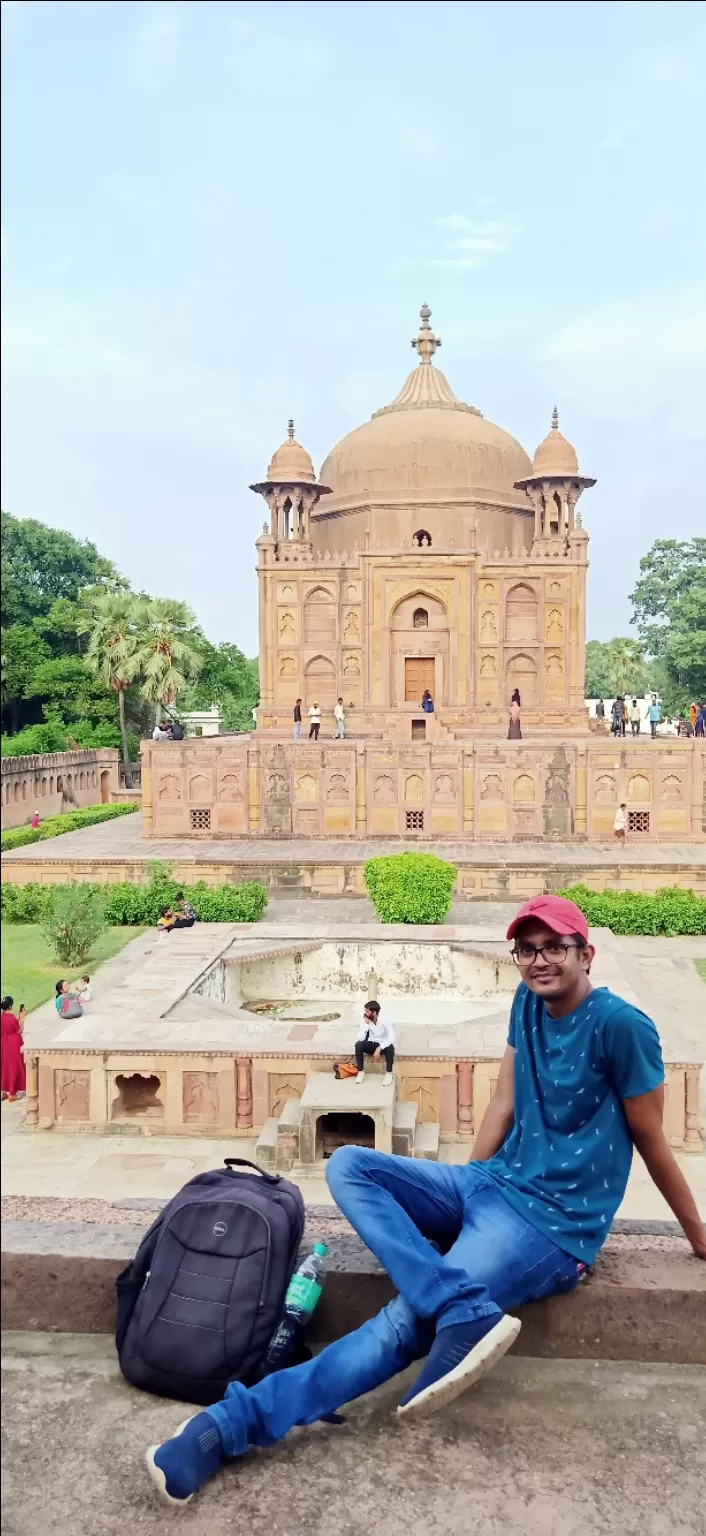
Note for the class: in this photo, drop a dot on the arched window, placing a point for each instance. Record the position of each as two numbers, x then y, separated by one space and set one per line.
422 539
420 618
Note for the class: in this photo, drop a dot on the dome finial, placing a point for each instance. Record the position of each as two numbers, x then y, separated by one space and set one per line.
290 430
555 420
426 343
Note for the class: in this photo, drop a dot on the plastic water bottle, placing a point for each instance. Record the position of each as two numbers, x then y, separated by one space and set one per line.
303 1292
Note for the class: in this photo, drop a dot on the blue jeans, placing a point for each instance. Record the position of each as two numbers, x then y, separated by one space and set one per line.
340 728
401 1207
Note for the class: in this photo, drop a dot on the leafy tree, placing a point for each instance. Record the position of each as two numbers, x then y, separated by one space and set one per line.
113 651
40 564
168 650
22 651
669 604
615 666
69 690
226 679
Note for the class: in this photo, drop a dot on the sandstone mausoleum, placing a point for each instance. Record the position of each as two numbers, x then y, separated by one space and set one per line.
430 553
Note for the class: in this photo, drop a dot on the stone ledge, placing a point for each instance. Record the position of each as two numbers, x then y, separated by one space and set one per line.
646 1299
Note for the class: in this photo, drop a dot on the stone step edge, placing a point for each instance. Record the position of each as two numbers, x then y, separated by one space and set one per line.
638 1304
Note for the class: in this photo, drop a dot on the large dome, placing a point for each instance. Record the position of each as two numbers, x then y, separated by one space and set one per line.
427 445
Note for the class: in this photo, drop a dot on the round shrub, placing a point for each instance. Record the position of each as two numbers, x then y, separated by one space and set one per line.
410 887
670 911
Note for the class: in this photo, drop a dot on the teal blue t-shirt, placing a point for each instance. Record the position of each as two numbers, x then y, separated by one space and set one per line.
565 1163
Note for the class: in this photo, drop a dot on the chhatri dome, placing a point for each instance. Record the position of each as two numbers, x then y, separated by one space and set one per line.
291 464
555 454
426 445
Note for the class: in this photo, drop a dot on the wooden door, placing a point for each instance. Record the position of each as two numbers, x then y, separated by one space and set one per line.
419 673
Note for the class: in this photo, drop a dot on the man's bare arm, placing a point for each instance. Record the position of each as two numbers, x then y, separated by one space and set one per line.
500 1112
644 1117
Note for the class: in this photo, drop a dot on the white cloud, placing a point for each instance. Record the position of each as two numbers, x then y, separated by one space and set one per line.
155 44
470 242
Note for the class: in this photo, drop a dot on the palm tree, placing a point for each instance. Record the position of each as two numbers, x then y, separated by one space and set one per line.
113 651
168 655
627 665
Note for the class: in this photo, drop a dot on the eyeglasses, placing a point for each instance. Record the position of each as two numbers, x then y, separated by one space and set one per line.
526 954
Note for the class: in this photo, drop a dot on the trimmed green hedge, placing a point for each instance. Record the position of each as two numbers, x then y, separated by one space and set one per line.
410 887
669 911
127 905
67 821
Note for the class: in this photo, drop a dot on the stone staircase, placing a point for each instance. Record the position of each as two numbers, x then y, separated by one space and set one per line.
292 1141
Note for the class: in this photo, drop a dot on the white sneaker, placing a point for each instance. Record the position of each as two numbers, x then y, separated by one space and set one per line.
361 1077
387 1080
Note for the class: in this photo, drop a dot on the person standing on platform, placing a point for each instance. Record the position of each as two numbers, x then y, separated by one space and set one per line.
314 722
298 720
340 717
514 730
654 714
14 1080
620 825
634 713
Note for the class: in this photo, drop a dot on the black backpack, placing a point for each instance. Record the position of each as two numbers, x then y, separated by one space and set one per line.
199 1303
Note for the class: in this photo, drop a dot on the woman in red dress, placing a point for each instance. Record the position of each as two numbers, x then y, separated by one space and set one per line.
14 1078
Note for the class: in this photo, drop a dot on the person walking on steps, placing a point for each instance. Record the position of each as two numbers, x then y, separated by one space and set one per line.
376 1039
298 720
654 713
634 714
427 702
616 716
314 722
580 1085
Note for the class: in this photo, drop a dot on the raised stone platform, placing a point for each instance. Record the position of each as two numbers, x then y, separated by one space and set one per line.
488 871
645 1300
213 1031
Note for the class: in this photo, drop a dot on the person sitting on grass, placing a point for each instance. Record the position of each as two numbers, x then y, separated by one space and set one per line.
580 1085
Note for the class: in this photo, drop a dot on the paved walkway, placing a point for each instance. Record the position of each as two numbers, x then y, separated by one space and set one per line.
120 840
537 1448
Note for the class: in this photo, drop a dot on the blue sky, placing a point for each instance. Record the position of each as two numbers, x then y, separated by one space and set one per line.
218 215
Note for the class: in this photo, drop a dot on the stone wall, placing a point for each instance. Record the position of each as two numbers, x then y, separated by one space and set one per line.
51 782
489 790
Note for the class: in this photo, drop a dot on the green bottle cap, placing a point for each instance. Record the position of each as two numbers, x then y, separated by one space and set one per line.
321 1249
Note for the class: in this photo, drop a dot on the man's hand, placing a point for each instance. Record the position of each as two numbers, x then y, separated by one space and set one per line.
698 1244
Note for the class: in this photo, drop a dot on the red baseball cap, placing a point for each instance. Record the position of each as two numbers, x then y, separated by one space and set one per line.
562 916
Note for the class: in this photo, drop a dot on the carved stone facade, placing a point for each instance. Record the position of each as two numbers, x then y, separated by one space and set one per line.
490 789
431 553
441 558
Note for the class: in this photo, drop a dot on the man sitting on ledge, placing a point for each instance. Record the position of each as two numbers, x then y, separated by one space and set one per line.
581 1083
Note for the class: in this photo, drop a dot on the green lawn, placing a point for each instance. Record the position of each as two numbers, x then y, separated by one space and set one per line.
29 970
701 968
